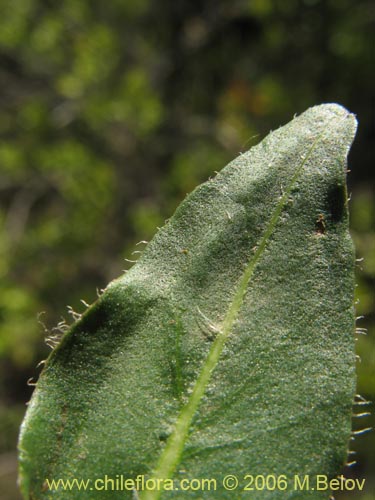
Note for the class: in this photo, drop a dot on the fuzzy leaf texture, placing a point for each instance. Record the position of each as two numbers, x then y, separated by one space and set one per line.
228 348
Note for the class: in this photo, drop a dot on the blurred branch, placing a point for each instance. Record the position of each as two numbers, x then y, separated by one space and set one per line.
20 207
8 463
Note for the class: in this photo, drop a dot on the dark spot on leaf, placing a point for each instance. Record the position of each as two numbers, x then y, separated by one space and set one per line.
163 436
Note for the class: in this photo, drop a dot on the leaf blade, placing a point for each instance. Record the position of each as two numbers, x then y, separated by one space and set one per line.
187 261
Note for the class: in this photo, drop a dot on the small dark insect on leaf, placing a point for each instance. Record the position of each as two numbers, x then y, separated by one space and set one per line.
320 224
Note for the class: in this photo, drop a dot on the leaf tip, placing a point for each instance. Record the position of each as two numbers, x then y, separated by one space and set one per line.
337 114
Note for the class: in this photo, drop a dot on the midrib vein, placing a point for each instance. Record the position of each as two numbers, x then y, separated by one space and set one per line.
170 456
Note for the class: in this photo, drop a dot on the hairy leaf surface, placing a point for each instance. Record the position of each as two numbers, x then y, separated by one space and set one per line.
228 348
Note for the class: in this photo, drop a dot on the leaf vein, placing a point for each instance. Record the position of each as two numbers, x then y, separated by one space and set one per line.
171 454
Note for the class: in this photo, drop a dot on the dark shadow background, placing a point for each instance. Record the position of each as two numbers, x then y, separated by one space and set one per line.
110 112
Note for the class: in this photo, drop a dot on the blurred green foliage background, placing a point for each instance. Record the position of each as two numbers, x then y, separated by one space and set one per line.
110 112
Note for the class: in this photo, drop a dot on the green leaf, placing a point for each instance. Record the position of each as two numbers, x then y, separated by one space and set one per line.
228 348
